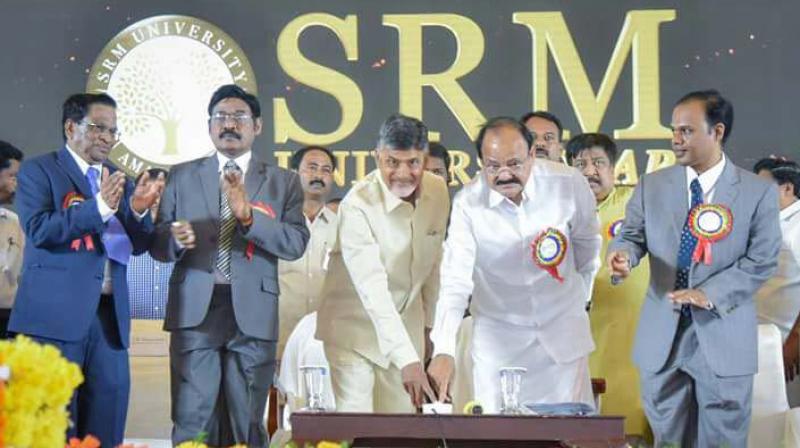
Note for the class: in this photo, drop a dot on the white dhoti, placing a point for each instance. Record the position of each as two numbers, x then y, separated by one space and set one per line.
499 344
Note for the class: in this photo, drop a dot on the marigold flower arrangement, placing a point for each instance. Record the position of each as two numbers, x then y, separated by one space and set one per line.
34 394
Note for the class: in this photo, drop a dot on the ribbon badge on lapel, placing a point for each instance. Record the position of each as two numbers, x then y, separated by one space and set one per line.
613 229
549 249
709 223
264 209
70 199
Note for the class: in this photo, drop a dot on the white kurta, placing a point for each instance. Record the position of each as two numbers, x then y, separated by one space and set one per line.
523 315
778 300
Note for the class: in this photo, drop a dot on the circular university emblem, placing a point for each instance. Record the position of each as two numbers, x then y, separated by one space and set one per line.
162 71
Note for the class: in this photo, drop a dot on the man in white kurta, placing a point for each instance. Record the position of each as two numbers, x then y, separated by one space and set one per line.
778 300
526 315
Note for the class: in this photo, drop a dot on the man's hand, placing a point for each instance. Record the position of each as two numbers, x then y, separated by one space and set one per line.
112 187
441 372
619 264
791 356
147 192
183 233
416 383
695 297
237 196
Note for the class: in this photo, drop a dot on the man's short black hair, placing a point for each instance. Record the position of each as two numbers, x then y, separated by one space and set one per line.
783 171
400 132
297 157
234 91
76 107
154 172
718 109
436 149
502 122
589 140
545 116
9 152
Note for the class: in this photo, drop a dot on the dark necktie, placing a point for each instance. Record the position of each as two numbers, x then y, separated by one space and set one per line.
688 242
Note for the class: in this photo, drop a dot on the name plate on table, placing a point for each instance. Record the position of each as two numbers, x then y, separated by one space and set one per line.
416 430
148 338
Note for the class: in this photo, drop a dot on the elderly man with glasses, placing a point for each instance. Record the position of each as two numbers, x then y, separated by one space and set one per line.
524 242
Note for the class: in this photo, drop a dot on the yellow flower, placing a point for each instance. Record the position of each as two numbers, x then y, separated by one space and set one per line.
37 393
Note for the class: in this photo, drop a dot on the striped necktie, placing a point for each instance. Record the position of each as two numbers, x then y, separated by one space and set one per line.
227 226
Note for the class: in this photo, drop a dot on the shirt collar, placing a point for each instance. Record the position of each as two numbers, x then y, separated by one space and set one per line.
323 214
243 161
82 164
790 211
709 178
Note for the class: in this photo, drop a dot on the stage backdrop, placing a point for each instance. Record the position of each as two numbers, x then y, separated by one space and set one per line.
328 72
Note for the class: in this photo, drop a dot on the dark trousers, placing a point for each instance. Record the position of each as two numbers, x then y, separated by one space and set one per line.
220 379
5 314
100 405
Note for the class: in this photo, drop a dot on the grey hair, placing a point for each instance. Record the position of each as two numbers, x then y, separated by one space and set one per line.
400 132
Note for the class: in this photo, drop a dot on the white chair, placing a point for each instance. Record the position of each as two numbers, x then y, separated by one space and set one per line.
770 405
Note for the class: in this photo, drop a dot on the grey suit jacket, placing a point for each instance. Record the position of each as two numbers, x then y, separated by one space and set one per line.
192 193
742 261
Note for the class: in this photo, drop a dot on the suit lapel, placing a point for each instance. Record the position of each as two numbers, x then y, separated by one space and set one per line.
72 169
209 180
255 177
726 191
678 201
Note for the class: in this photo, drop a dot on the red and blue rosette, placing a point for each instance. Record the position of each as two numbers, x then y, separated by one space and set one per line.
613 228
548 251
709 223
70 199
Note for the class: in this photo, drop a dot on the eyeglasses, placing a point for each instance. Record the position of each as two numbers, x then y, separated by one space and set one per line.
313 168
238 119
99 129
515 166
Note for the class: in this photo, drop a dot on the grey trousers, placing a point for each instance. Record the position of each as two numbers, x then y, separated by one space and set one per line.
688 405
220 379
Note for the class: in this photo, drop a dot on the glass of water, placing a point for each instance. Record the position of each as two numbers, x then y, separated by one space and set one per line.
510 384
314 385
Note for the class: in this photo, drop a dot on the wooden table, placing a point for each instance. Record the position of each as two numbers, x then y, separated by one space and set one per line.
414 430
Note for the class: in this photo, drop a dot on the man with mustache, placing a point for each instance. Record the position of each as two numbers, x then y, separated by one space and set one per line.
524 242
383 277
301 280
713 235
12 240
225 220
547 133
613 308
83 220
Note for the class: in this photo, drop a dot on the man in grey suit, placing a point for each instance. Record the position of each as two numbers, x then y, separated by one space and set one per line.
696 344
226 220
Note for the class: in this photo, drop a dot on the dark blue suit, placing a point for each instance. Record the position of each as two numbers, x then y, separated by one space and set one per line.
59 296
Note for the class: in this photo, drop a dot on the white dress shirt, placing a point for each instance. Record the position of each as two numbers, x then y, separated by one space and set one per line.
778 300
708 180
488 255
105 211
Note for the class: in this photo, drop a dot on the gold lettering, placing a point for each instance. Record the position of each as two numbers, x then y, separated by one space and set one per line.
659 158
461 160
296 65
625 169
119 51
470 45
361 164
639 36
340 175
282 157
